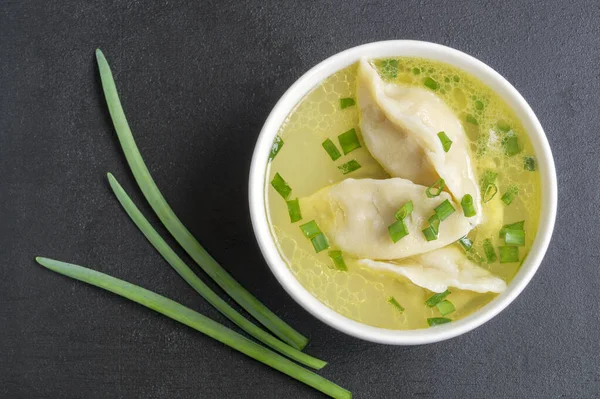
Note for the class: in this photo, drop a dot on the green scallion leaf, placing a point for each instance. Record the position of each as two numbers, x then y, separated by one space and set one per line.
310 229
508 254
445 307
466 243
349 141
472 120
445 140
432 84
513 226
490 253
395 304
467 205
397 230
503 126
435 189
404 211
430 234
281 186
197 321
331 149
444 210
346 102
436 321
511 145
320 242
275 148
349 167
173 224
490 192
529 163
389 69
434 223
294 210
489 177
338 260
437 298
510 194
514 237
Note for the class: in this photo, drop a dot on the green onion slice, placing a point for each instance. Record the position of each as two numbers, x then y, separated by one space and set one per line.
404 211
349 141
197 321
508 254
488 248
490 192
281 186
310 229
467 205
529 163
389 69
472 120
432 84
466 243
445 307
445 140
320 242
395 304
349 167
503 126
444 210
346 102
276 147
436 321
434 223
331 149
197 284
511 145
437 298
398 230
430 234
338 260
514 237
513 226
294 210
489 177
435 189
174 225
510 194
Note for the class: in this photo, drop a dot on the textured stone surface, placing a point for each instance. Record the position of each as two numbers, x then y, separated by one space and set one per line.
198 79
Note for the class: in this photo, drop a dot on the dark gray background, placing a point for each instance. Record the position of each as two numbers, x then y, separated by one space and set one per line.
197 81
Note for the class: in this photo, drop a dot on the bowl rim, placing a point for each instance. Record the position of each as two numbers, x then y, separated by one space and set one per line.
258 187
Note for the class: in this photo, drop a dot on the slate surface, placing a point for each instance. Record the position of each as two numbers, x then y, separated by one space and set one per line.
197 80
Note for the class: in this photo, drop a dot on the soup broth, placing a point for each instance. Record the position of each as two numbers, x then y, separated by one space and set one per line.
501 153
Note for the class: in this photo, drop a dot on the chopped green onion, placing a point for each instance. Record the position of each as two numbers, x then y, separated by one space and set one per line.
489 177
397 230
490 192
508 254
294 210
511 145
310 229
331 149
438 186
444 210
510 195
195 320
472 120
475 257
513 226
490 253
436 321
395 304
445 140
503 126
529 163
174 225
445 307
389 69
514 237
432 84
338 260
346 102
197 284
466 243
320 242
349 141
276 147
281 186
430 234
349 167
467 205
404 211
434 223
437 298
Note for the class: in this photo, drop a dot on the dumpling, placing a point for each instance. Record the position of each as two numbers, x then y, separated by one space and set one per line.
440 269
400 124
355 214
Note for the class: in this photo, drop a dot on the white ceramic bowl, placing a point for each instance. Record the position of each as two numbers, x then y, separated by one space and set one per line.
316 75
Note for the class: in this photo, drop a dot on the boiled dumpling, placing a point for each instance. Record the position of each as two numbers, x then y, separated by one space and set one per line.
355 215
440 269
400 126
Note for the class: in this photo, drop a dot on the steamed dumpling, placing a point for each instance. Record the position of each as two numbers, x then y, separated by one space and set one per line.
400 124
440 269
355 215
